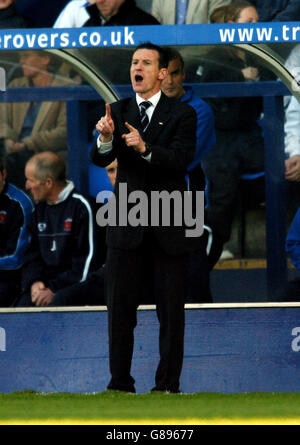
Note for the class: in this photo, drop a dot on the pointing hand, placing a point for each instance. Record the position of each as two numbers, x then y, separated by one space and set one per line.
106 126
133 139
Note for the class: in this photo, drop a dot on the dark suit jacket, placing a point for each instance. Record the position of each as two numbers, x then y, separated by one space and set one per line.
128 14
172 135
277 10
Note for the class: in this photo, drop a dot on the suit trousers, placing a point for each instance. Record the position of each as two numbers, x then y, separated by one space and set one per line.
130 273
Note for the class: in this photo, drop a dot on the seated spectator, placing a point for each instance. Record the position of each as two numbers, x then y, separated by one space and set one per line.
91 291
27 128
277 10
64 244
15 211
239 144
9 16
292 141
79 13
218 16
173 86
293 251
240 11
292 136
111 171
201 261
292 121
185 12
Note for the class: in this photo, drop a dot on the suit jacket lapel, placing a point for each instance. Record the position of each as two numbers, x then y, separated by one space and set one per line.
160 117
131 114
191 11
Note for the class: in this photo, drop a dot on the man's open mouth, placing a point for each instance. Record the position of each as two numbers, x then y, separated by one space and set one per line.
138 78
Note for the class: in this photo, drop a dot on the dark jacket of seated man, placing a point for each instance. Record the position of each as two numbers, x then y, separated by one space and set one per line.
15 211
65 243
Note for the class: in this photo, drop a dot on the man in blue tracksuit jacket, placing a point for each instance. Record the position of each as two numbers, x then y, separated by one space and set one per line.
205 138
15 211
203 260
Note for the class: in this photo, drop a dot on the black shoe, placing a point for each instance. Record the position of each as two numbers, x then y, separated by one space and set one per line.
121 388
122 384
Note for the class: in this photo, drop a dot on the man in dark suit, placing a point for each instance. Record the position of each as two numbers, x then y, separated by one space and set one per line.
153 150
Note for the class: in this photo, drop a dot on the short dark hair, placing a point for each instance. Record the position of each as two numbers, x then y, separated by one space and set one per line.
217 16
173 54
162 56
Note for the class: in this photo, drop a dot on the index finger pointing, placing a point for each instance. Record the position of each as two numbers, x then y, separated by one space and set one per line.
108 112
130 127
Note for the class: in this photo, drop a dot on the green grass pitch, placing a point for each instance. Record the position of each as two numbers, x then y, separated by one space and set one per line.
113 407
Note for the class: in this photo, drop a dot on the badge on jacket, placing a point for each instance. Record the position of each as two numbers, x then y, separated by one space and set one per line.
3 215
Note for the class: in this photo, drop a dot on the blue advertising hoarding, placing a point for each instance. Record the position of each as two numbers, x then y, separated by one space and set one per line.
228 348
117 36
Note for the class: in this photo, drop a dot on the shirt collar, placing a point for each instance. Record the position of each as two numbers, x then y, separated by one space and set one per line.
64 193
154 99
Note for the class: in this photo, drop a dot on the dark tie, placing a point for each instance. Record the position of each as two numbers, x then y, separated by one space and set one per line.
144 118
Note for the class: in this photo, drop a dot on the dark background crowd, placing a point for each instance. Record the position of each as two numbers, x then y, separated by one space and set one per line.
44 14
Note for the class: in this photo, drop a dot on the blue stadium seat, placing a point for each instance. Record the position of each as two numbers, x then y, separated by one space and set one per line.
98 179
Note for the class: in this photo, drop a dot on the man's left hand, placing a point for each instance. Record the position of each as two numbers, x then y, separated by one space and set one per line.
44 298
133 139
